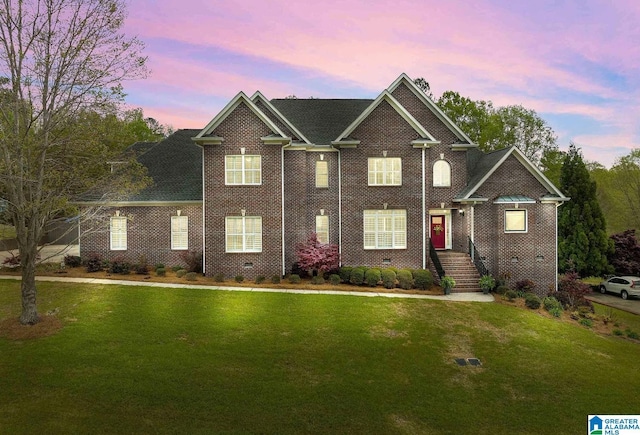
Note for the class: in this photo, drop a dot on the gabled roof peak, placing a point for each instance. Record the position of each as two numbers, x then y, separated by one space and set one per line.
240 98
406 80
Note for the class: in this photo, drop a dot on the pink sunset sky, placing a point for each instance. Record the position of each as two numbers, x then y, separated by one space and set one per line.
577 63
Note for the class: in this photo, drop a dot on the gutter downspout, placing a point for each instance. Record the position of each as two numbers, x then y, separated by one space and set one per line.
340 205
282 208
424 212
204 227
558 204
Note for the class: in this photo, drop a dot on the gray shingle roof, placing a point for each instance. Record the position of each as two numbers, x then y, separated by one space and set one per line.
478 166
321 120
175 165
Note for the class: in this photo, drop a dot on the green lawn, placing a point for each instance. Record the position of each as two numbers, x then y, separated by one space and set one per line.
7 232
141 360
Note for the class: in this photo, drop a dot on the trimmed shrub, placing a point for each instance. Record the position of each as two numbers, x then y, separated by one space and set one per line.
617 332
176 268
239 278
161 271
294 278
259 279
180 273
94 263
275 279
388 278
159 266
532 301
193 260
119 266
405 279
191 276
317 280
72 261
631 334
141 269
218 277
422 279
335 279
372 277
345 273
511 294
357 275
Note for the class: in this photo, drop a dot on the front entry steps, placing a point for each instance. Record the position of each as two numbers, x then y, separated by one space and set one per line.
459 266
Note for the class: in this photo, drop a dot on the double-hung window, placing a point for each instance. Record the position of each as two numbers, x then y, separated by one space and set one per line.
385 171
322 228
385 229
515 221
118 233
322 173
243 233
179 232
243 170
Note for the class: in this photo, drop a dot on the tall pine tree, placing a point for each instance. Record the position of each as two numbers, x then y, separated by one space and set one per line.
583 242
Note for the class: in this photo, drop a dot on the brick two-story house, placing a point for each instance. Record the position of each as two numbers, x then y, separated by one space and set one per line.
393 181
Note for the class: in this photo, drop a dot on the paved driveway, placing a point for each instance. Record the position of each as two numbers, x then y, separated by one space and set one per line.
48 254
615 301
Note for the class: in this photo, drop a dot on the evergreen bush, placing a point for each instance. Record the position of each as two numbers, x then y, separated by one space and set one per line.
357 275
423 279
405 279
372 277
388 278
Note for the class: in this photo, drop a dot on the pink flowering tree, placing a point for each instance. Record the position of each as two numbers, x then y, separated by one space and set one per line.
314 256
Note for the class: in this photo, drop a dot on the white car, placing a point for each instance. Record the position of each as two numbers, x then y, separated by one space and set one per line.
625 286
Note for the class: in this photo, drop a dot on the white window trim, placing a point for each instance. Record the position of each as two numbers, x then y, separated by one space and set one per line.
378 214
244 234
242 170
387 168
526 221
175 232
437 181
322 178
318 233
123 232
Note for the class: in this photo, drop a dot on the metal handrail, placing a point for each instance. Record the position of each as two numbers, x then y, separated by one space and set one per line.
433 254
477 259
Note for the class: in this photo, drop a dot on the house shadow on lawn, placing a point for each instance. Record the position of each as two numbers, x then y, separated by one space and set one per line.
12 329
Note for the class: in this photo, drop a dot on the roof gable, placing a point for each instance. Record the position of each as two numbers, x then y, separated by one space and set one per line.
461 135
257 96
228 110
489 163
386 96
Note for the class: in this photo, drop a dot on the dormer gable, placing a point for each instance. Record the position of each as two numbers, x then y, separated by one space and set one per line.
425 140
259 97
206 137
489 163
464 140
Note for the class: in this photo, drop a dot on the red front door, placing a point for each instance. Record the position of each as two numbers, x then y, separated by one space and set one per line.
438 232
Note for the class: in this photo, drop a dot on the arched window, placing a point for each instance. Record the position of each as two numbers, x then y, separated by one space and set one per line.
442 173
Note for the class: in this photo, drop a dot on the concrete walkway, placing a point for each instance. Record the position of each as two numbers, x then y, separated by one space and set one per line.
460 297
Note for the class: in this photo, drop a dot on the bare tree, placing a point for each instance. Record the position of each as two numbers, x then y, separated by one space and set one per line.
58 59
